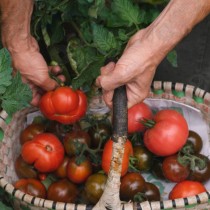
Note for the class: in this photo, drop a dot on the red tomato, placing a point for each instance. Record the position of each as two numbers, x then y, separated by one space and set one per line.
78 173
32 187
45 151
107 155
186 188
64 105
173 170
168 134
137 113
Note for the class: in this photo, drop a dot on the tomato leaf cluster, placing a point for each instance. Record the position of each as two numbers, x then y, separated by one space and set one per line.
82 35
14 94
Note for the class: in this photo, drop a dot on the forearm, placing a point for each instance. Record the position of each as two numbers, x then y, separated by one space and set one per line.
174 23
15 24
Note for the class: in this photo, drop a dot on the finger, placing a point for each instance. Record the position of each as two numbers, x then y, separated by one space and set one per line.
105 70
55 69
108 96
115 78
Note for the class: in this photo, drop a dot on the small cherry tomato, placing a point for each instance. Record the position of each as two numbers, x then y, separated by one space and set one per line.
200 175
173 170
196 140
186 188
63 191
144 158
151 192
73 142
131 184
94 187
30 131
32 187
61 171
78 172
24 170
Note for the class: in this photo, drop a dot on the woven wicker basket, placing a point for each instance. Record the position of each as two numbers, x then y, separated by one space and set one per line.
10 148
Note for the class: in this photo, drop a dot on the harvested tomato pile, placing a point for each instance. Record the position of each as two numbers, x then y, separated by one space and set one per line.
67 162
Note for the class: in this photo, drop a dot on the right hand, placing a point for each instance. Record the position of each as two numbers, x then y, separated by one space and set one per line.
135 68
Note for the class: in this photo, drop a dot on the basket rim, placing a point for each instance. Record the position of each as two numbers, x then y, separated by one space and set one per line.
167 87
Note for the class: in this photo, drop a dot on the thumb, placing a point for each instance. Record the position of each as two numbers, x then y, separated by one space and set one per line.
113 79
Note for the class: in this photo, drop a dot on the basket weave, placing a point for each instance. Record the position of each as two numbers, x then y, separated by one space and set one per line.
10 149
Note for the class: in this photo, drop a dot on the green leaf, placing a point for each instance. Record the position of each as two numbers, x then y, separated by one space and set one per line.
88 75
17 96
95 9
57 32
103 38
172 58
127 11
5 70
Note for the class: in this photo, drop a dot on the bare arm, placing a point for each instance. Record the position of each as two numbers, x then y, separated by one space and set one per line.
15 24
147 48
24 49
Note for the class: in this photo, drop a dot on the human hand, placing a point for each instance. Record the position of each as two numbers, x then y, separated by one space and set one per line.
34 70
135 69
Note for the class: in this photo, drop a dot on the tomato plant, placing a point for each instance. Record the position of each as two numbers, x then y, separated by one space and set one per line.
136 114
186 188
79 172
24 170
44 151
73 142
167 133
63 191
32 187
173 170
64 105
131 184
30 131
107 155
94 187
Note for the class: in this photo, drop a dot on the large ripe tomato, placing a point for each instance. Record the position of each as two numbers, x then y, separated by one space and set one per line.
167 133
78 173
186 188
32 187
24 170
63 191
131 184
107 155
136 114
64 105
30 131
44 151
73 142
173 170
